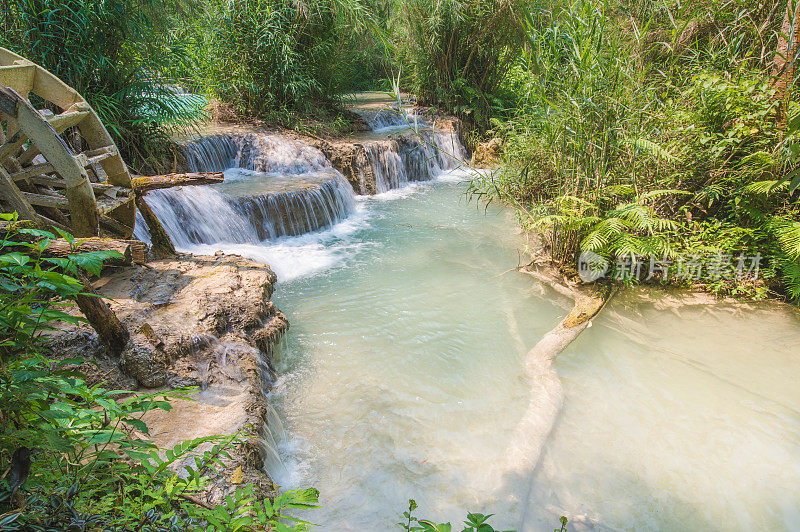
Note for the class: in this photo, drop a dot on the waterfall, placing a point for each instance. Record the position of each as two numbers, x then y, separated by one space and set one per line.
276 154
387 165
215 153
450 153
419 155
413 157
296 212
392 118
249 208
206 215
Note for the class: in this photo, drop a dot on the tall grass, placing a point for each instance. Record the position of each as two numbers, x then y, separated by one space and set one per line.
457 52
652 128
267 56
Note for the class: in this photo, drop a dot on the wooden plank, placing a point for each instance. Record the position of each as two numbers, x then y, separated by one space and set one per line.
12 146
50 181
154 182
113 226
59 202
15 198
19 77
105 150
67 120
99 158
105 204
32 171
29 154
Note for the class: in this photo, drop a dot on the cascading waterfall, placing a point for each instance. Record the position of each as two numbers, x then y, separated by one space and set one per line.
215 153
384 119
299 211
407 157
450 153
276 154
290 189
387 165
206 215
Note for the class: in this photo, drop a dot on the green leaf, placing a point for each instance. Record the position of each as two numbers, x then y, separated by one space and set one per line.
15 259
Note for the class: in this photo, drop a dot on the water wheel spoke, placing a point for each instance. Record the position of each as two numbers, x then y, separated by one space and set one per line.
33 171
44 200
13 196
66 120
100 154
12 146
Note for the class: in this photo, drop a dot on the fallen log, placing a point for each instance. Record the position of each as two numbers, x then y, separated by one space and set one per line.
154 182
103 320
132 251
159 239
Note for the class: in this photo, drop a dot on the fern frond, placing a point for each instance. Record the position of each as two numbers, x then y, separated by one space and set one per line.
761 188
787 232
662 192
651 148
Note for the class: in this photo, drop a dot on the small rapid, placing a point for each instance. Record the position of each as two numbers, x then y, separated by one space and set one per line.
274 187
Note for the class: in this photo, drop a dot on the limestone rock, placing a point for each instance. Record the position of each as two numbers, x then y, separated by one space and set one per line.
487 154
142 361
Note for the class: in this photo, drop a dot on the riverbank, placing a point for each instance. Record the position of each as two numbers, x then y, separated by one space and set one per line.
196 321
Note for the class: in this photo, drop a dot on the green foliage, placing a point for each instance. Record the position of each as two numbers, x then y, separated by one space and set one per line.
458 52
474 523
115 53
270 56
92 466
246 512
652 128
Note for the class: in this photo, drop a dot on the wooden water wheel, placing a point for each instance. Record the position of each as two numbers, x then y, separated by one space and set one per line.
58 164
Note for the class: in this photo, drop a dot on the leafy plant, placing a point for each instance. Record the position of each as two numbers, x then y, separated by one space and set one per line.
79 454
475 522
268 57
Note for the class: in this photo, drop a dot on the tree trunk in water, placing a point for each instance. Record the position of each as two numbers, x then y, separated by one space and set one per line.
159 239
112 332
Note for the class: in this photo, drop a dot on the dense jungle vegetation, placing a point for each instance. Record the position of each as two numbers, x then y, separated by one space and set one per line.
655 128
660 129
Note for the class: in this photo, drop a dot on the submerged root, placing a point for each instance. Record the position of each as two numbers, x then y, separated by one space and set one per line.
546 395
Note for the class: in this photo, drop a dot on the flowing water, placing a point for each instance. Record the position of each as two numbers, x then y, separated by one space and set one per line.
404 374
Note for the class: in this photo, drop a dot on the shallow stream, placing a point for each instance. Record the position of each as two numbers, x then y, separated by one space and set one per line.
403 378
404 374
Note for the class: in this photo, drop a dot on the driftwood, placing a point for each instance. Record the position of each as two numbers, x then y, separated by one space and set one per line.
132 251
143 184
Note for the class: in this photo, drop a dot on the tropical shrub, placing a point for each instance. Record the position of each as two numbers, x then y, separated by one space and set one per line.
271 56
655 130
458 52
